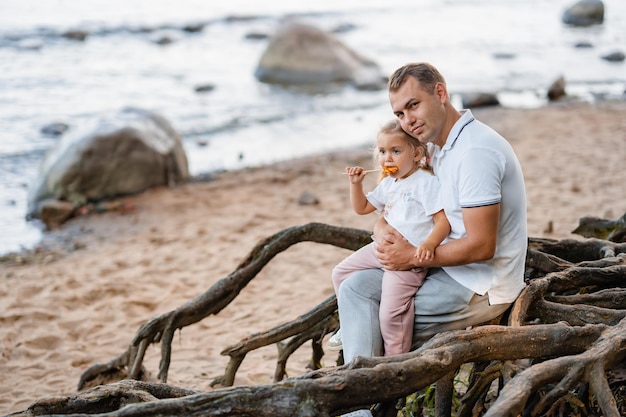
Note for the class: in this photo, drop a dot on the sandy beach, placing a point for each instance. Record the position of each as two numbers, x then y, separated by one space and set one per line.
79 301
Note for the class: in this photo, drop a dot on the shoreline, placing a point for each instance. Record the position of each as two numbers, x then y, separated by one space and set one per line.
46 239
70 306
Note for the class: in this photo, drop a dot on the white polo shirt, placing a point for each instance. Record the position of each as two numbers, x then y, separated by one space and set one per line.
478 167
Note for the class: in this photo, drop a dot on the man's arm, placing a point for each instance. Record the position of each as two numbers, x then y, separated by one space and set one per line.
481 224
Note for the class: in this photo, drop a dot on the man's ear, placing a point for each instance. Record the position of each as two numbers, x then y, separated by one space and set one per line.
441 91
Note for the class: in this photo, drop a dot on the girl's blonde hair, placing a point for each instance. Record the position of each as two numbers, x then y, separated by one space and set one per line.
393 127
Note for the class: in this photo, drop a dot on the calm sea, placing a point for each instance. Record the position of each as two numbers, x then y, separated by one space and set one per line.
513 47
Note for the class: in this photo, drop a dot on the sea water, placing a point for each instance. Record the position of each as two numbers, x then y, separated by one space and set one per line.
515 48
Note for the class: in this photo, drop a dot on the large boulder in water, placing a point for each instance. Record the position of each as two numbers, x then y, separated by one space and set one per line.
584 13
120 154
305 55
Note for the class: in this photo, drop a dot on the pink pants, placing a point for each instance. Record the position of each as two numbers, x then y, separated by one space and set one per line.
396 303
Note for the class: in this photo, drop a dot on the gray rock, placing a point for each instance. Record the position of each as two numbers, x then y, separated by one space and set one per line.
617 56
119 154
308 199
204 88
504 55
194 27
53 213
473 100
77 35
302 54
55 129
584 13
257 35
557 89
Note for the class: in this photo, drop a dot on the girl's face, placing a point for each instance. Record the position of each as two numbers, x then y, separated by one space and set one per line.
396 154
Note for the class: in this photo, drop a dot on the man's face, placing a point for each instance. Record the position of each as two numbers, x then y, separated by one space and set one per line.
421 113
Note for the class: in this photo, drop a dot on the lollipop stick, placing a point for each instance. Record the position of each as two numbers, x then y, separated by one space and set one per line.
365 170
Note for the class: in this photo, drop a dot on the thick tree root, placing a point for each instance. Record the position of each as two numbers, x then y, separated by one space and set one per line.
313 325
365 381
162 328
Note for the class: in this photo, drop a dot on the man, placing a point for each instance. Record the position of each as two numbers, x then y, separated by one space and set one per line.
478 271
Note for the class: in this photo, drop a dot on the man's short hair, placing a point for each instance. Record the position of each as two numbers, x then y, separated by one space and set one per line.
426 75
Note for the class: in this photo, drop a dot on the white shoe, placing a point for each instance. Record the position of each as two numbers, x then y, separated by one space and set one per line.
358 413
335 344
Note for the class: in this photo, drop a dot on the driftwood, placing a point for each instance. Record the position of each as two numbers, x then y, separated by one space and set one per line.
559 353
613 230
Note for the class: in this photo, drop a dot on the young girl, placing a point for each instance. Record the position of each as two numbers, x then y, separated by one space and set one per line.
407 195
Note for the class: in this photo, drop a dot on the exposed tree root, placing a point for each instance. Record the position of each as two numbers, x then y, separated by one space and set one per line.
162 328
566 330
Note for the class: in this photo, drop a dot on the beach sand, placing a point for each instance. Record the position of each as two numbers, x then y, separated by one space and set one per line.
80 301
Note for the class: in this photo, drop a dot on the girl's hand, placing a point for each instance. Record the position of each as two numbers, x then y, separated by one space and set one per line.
424 253
356 174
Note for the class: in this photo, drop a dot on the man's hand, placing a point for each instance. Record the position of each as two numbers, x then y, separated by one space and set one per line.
393 251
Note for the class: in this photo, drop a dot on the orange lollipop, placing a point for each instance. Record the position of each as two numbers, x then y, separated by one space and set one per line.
389 169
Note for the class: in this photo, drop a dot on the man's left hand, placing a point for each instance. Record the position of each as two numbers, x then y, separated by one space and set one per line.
395 253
